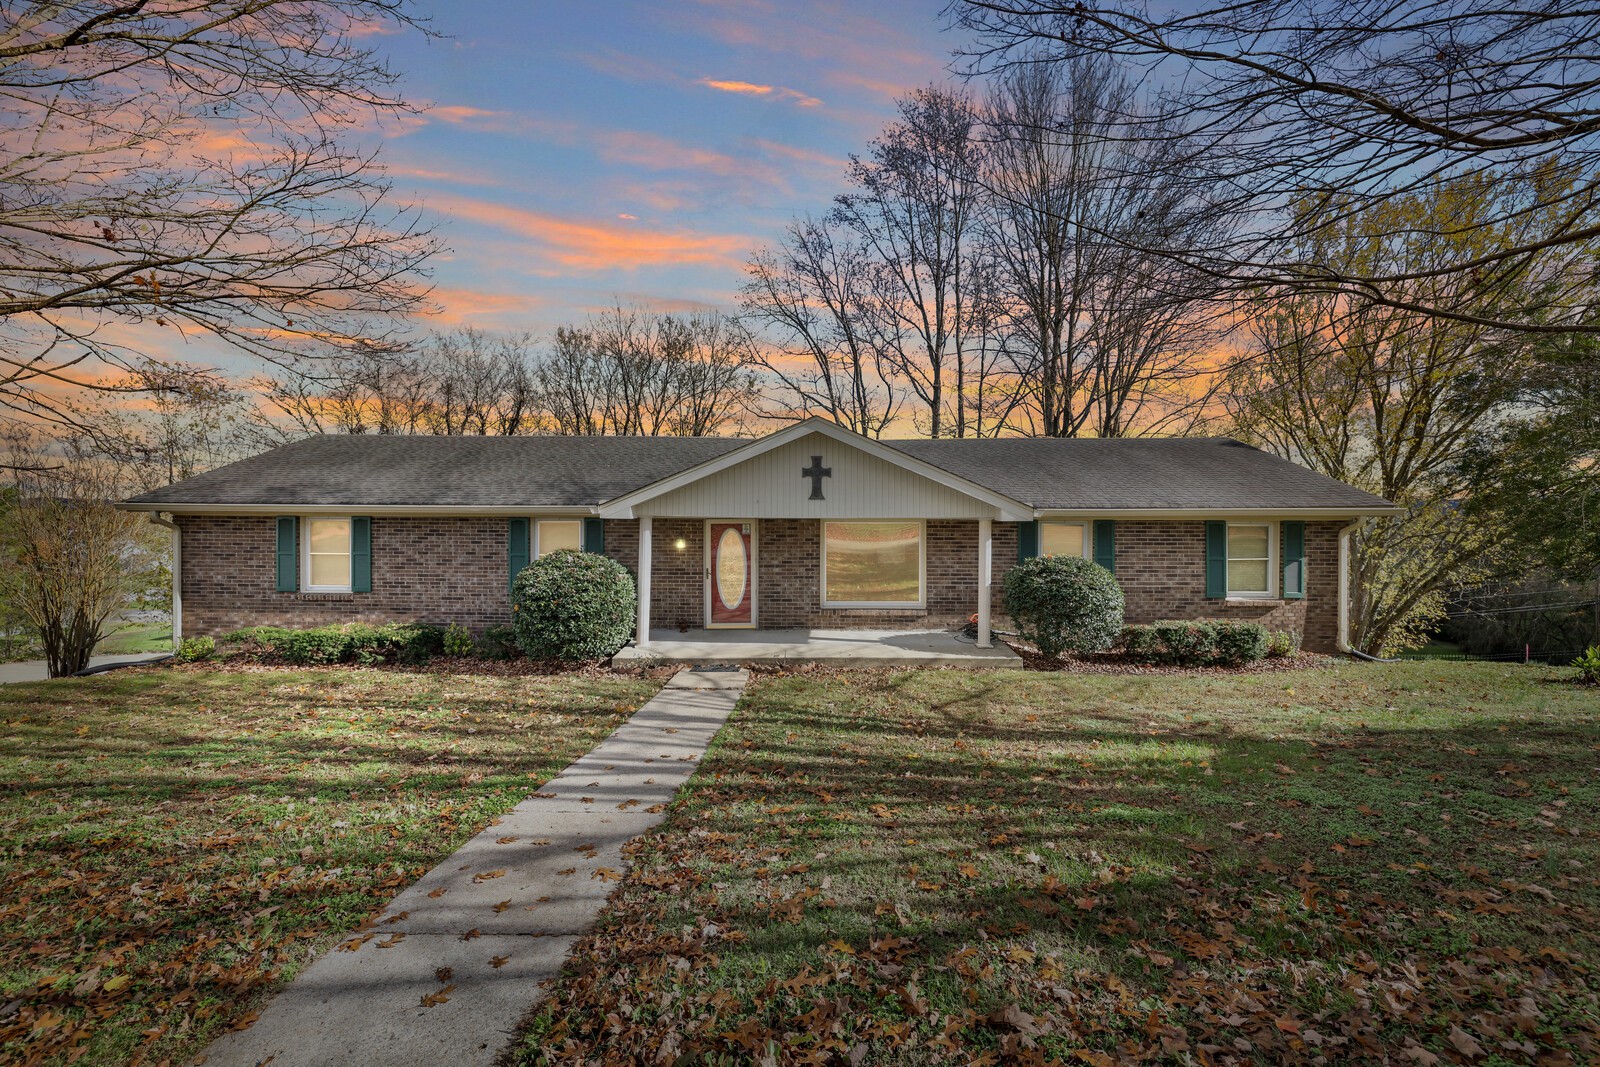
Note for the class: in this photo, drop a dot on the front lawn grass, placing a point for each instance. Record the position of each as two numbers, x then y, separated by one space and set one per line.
1350 864
173 842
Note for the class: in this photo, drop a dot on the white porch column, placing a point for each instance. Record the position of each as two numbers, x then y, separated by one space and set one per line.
642 638
985 579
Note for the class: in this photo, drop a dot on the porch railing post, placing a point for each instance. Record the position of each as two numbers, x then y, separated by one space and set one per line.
642 638
985 580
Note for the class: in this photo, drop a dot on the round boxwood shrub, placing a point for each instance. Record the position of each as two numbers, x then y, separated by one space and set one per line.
573 607
1064 604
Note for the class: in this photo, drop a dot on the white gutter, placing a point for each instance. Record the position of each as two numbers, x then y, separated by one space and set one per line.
177 577
416 510
1212 513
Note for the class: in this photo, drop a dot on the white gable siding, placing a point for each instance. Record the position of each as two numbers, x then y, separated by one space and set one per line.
770 486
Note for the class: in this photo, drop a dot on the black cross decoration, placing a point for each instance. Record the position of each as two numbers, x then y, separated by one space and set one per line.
816 472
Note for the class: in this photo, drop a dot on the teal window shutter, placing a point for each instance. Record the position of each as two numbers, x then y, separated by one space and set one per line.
1105 544
516 548
1294 560
361 554
594 536
288 554
1027 540
1216 560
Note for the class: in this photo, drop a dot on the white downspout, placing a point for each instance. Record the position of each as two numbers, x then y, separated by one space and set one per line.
641 637
985 578
177 577
1342 638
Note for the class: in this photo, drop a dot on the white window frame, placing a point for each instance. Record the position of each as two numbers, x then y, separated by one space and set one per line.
921 603
539 523
305 552
1088 548
1271 592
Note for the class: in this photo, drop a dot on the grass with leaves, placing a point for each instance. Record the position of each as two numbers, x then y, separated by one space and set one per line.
1347 864
175 842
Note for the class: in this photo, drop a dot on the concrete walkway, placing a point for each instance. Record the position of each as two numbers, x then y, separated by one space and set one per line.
479 932
834 648
35 670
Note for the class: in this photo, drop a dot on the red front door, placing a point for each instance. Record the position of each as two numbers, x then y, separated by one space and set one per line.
731 585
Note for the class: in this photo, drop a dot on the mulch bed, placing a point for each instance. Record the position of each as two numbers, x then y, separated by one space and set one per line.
1118 663
497 668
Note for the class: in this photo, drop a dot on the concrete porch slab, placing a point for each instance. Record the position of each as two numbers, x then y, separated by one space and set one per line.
839 648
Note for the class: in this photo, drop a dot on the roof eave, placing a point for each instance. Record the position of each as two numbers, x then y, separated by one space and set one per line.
1221 513
416 510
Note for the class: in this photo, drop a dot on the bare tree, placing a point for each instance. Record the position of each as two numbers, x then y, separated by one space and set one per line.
184 166
472 382
1108 332
72 561
188 420
916 217
627 372
811 295
1354 102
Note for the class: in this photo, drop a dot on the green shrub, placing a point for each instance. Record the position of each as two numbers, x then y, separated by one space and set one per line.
194 649
325 644
1186 643
573 606
356 642
260 636
1140 644
499 642
1197 643
457 641
1588 666
1239 642
1064 604
1281 643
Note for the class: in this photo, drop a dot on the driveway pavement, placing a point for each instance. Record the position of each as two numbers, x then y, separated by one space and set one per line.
454 962
36 671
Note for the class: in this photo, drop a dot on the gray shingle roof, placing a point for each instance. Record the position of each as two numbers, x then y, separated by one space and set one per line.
530 472
1158 473
385 469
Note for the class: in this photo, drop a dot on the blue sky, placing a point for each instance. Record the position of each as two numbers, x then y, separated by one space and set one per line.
579 153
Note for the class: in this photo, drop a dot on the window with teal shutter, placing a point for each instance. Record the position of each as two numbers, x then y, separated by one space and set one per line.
517 550
361 554
594 536
1217 560
288 554
1027 540
1294 560
1105 544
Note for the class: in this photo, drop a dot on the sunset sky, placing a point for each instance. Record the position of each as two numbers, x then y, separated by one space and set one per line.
576 154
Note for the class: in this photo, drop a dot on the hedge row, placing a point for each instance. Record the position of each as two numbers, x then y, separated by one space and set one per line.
356 642
1184 643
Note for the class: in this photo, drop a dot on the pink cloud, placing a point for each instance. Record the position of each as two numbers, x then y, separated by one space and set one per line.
776 92
597 245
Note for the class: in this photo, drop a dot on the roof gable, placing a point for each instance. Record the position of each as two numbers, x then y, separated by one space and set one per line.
869 479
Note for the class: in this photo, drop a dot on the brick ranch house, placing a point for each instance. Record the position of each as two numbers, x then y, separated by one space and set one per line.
810 526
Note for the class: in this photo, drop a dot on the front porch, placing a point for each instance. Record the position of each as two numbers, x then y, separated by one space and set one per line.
838 648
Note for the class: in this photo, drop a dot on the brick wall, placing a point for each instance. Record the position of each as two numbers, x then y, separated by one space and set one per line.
1161 566
423 570
454 570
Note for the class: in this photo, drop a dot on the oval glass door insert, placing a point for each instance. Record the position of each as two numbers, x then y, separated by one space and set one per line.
733 569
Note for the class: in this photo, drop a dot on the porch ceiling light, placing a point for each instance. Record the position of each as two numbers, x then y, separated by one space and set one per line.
680 544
